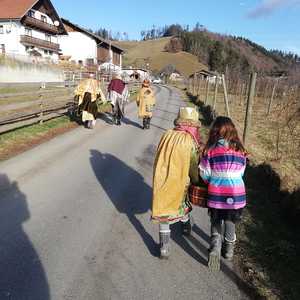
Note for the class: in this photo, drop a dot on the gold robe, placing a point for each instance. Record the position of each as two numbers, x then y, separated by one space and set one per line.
91 86
145 102
175 155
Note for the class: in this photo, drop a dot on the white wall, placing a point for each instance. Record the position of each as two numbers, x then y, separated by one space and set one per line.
14 29
29 73
79 46
11 37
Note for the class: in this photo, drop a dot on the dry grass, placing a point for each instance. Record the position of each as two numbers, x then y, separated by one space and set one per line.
267 253
138 54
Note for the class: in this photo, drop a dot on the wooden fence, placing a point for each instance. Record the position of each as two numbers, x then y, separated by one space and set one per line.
266 110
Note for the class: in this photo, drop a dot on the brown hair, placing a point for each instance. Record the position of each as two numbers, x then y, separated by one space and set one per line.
223 128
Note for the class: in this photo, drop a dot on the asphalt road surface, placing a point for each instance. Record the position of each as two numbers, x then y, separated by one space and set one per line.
75 220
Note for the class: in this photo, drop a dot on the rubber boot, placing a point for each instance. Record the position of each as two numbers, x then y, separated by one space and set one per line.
148 123
144 123
215 252
228 250
186 228
92 124
164 241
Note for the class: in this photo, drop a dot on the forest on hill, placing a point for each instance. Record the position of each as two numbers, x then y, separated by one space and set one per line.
224 53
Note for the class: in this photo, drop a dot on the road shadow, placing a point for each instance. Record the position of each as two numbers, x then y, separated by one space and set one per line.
271 231
196 246
127 191
132 123
23 275
106 117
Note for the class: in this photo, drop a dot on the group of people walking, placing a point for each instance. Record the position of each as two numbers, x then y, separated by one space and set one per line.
90 98
186 170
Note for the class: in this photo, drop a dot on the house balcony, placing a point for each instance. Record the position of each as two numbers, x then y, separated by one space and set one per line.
40 25
32 41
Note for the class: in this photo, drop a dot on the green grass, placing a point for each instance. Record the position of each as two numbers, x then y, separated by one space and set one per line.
24 136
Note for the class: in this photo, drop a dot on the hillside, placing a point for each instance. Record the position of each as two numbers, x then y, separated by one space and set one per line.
236 54
138 54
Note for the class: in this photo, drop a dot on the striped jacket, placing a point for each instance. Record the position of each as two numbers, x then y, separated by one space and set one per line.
222 169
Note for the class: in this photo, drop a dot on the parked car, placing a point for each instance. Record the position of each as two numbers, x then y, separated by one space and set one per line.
157 81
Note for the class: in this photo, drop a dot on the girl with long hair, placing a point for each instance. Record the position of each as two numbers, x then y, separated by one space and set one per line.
222 167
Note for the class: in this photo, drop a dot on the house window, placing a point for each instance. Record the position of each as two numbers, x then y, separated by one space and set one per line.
31 13
28 32
1 29
48 37
45 52
44 19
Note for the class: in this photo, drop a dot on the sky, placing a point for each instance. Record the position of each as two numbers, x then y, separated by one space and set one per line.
274 24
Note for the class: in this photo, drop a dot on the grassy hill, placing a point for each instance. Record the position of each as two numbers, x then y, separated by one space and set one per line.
138 54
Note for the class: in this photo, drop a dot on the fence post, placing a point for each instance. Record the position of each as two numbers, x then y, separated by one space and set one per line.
43 86
225 95
216 93
249 106
272 98
194 84
207 91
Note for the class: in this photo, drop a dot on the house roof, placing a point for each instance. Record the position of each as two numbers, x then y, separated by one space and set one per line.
16 10
205 72
92 35
134 69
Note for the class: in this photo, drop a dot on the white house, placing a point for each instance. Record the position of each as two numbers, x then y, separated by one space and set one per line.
86 48
30 29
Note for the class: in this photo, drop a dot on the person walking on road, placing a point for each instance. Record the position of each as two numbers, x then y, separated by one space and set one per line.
175 168
90 97
222 167
118 96
145 102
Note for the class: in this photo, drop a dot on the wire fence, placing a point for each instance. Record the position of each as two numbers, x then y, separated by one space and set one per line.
266 111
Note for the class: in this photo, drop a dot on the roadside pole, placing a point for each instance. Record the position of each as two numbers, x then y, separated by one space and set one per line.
225 95
42 87
216 93
250 99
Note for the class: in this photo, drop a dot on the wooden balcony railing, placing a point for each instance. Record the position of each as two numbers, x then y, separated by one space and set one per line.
31 41
39 24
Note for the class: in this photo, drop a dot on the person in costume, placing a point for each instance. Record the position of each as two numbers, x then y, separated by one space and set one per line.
145 102
118 96
89 97
175 168
222 167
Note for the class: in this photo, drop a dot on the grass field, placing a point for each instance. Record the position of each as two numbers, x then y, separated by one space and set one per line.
138 54
22 139
267 253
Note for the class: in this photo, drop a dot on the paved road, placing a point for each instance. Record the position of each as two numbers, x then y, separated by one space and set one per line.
74 220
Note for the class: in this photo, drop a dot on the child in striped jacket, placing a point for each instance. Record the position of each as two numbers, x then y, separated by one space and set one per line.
222 167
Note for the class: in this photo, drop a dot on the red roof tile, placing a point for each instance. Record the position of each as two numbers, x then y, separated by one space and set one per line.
15 9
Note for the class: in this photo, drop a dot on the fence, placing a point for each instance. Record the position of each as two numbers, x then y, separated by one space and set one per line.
266 111
72 78
26 108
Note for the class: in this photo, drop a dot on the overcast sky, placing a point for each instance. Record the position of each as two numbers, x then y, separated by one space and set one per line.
271 23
